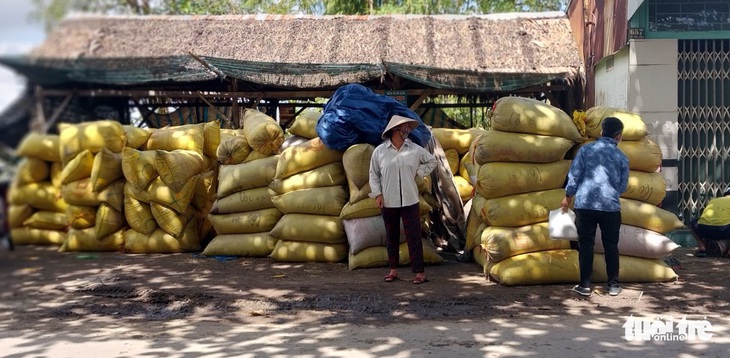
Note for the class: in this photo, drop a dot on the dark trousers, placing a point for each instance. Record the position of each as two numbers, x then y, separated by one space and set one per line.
610 223
412 226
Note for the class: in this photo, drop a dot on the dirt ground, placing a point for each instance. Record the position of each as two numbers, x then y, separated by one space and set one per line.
88 301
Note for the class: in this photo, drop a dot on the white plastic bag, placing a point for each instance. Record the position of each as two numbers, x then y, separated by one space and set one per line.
561 225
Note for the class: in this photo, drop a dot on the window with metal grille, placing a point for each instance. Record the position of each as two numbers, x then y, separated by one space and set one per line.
689 15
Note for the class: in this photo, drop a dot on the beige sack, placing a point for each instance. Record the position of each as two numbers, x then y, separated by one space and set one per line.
639 242
258 244
310 228
634 126
305 125
75 138
243 201
634 270
301 158
262 133
256 174
497 179
177 167
40 146
327 175
185 137
500 243
293 251
246 223
644 155
318 201
519 209
526 115
647 187
233 150
497 146
377 256
106 168
356 161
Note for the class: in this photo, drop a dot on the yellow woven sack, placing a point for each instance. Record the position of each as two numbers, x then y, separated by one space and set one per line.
106 168
137 137
78 168
327 175
108 220
41 146
304 157
305 125
293 251
246 223
648 216
452 157
473 232
139 215
459 139
538 268
211 138
177 167
205 191
467 167
327 200
256 174
503 242
30 236
497 179
178 200
498 146
161 242
634 126
243 201
81 217
255 155
644 155
75 138
356 162
258 244
519 209
634 270
169 220
17 215
40 196
32 170
527 115
262 132
647 187
361 209
186 137
48 220
233 150
56 169
87 241
464 188
139 167
310 228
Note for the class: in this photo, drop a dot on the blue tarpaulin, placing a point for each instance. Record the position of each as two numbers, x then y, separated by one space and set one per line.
355 114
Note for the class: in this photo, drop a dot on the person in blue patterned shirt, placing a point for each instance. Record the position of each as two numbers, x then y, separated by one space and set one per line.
598 176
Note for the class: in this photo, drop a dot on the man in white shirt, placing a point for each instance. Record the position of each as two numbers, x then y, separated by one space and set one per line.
394 166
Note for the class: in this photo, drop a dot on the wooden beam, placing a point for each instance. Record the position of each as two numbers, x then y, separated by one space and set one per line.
205 63
217 110
420 100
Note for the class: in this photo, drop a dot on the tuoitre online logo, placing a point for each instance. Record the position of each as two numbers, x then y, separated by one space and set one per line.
666 329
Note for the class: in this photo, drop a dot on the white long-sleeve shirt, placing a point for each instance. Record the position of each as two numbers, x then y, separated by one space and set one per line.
393 172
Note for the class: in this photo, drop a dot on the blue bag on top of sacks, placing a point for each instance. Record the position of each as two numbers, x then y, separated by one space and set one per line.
355 114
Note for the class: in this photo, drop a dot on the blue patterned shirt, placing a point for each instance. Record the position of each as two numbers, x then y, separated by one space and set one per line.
598 176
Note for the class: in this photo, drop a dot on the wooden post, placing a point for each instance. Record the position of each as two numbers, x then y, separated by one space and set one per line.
235 115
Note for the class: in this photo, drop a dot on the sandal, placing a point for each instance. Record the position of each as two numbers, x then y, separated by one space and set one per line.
390 278
699 253
419 280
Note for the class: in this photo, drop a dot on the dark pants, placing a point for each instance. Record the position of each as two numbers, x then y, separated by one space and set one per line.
412 226
610 223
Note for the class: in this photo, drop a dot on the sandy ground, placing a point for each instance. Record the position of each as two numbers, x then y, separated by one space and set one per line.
182 305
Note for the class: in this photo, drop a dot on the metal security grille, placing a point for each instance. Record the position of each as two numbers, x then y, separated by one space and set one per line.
704 123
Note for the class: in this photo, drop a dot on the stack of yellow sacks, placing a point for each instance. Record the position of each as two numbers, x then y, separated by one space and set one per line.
520 178
243 213
171 179
455 143
36 212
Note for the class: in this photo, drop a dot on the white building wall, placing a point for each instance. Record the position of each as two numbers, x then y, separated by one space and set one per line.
652 93
612 79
